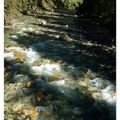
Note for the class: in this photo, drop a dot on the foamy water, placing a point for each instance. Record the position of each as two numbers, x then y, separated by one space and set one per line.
30 54
9 56
106 89
47 69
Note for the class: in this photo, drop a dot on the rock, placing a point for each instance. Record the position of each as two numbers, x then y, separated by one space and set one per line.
7 73
21 78
92 89
27 91
40 95
17 106
83 84
19 55
96 96
19 93
29 84
21 68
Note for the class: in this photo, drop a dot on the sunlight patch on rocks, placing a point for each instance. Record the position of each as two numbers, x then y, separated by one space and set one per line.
20 56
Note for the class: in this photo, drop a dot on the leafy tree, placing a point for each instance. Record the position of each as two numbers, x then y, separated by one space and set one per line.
103 10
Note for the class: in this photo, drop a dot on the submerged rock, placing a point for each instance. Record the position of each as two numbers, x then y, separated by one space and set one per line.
21 78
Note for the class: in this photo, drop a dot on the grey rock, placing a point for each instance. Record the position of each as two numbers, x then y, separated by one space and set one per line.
21 78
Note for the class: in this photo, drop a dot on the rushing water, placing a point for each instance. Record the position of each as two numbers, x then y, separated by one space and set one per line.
49 78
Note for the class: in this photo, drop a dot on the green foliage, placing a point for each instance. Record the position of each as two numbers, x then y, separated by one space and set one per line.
72 4
12 8
103 10
47 4
9 9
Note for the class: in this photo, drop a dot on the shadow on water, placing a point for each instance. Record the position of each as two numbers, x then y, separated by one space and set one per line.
72 51
89 28
88 108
